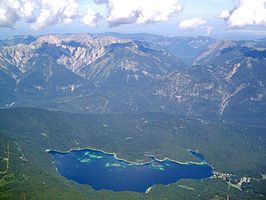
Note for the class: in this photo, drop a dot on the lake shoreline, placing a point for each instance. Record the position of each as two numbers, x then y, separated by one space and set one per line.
155 165
153 157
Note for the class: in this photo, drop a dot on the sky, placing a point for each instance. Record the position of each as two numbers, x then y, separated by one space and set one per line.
244 19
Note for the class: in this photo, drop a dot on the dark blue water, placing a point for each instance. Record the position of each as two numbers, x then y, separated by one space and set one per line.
104 171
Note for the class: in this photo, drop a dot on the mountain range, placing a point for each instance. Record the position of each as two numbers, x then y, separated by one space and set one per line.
135 73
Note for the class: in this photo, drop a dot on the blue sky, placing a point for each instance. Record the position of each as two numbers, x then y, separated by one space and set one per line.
217 18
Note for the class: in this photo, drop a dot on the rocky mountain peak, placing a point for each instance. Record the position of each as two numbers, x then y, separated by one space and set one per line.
50 39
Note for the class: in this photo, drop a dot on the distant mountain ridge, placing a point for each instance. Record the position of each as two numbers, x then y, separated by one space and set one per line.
108 73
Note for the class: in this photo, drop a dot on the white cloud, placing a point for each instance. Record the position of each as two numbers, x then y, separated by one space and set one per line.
248 12
8 12
55 12
139 11
40 13
192 23
43 13
91 18
27 10
225 14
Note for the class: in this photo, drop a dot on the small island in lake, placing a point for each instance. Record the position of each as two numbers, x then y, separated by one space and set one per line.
103 170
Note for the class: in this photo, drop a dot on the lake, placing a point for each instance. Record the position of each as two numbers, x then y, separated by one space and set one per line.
103 170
